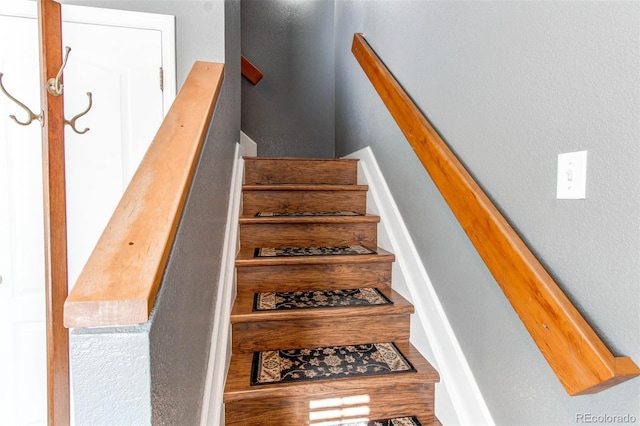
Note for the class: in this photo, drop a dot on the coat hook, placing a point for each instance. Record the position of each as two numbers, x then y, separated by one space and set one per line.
32 116
54 85
72 122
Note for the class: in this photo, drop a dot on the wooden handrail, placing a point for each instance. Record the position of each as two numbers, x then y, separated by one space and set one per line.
576 354
119 282
250 71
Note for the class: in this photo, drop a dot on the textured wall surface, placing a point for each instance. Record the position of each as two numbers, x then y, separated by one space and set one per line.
154 373
510 85
291 110
184 309
104 359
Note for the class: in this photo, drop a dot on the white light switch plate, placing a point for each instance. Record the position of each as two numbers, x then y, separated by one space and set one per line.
572 176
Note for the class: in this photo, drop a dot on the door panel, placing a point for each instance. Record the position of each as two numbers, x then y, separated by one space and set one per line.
120 66
22 304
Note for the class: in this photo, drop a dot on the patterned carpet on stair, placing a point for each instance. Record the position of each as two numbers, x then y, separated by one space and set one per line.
319 299
334 362
299 214
312 251
398 421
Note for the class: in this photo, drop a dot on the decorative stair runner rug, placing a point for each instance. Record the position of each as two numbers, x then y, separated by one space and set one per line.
318 299
312 251
398 421
297 214
334 362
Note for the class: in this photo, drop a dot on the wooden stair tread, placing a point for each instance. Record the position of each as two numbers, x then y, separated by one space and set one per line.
303 187
301 159
297 186
238 385
243 310
301 170
252 219
246 257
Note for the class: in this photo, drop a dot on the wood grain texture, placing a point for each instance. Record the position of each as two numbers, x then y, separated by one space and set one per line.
119 283
243 312
303 198
238 385
246 258
55 215
376 273
295 328
250 71
319 332
576 354
268 170
292 403
305 232
341 406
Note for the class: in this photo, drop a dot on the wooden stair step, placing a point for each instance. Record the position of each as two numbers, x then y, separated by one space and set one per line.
246 258
252 219
311 273
350 405
243 309
317 327
303 198
310 277
384 396
304 187
300 170
288 191
300 231
239 386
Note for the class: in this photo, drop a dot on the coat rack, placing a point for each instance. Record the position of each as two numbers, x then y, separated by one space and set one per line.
55 88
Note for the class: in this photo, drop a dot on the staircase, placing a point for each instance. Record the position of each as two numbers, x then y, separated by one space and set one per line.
316 207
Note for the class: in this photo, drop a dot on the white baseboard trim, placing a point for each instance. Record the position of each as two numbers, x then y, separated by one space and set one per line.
220 352
458 398
249 146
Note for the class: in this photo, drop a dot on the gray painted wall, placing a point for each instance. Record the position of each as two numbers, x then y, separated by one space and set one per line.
291 110
510 85
155 373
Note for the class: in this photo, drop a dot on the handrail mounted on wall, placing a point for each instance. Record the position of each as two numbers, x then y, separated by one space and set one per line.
250 71
576 354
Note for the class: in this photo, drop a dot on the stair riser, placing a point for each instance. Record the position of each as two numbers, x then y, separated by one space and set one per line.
314 277
308 235
303 201
295 185
303 333
264 171
377 403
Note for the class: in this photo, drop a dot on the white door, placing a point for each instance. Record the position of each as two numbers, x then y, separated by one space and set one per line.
22 315
120 64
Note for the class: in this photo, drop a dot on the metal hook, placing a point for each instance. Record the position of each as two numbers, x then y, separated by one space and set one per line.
54 86
32 116
72 122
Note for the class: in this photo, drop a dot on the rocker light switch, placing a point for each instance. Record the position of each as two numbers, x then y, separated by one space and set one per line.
572 176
